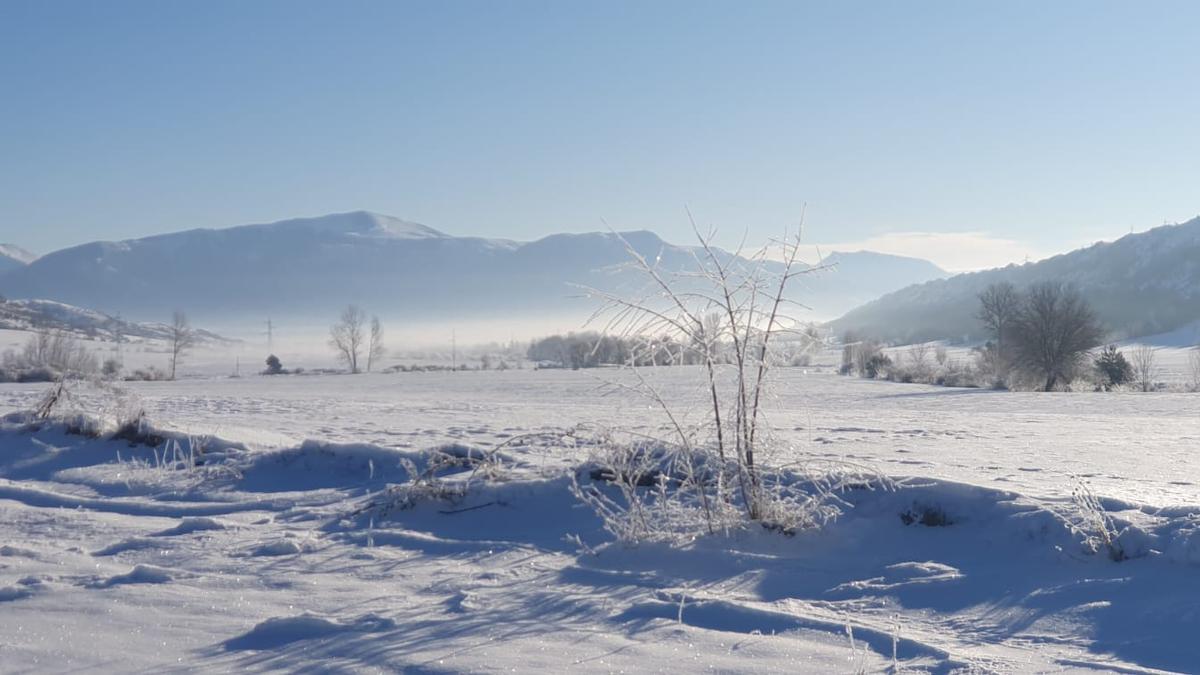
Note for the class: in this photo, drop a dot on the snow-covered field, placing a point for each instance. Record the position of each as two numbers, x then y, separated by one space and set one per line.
275 554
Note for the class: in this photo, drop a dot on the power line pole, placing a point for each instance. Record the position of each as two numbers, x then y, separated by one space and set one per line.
453 350
270 337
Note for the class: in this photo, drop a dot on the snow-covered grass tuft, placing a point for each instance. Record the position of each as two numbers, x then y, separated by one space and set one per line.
648 491
1088 519
445 475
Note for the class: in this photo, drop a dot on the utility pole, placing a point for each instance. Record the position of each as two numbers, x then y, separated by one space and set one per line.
453 350
270 337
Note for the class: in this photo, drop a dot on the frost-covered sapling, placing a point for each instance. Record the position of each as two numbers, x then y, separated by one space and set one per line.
705 475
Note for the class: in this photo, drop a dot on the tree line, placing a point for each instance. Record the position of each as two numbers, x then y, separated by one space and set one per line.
1043 337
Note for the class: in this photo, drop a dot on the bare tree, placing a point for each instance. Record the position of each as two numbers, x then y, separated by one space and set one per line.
346 337
375 348
941 354
1145 366
181 338
1194 368
1053 332
999 305
918 357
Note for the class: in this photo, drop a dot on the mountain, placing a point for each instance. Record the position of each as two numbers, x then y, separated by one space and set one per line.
1141 284
313 266
861 276
14 257
47 315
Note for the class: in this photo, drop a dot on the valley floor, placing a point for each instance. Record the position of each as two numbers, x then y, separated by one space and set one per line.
277 552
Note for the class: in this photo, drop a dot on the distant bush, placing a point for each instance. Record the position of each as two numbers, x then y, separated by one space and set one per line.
48 357
148 374
875 365
587 350
1112 368
38 374
111 369
274 366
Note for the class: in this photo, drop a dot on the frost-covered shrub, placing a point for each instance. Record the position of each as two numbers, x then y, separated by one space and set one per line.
44 353
654 492
954 373
38 374
705 474
148 374
444 474
1087 518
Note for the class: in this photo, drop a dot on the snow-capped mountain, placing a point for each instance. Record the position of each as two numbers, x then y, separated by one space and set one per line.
313 266
14 257
1141 284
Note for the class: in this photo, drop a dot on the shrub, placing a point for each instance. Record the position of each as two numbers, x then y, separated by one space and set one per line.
111 369
707 474
1112 368
876 364
148 374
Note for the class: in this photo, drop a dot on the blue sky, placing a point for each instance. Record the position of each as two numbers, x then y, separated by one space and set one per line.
971 133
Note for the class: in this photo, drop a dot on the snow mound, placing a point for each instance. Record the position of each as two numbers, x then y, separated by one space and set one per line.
140 574
277 548
280 631
190 525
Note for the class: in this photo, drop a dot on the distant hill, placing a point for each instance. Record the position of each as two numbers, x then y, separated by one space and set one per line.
14 257
50 316
1142 284
314 266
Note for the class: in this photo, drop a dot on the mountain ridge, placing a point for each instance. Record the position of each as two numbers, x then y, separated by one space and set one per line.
1140 284
389 265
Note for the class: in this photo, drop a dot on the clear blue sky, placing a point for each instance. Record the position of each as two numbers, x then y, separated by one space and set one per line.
961 129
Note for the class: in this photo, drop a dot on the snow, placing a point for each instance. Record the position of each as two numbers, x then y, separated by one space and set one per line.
280 552
14 257
16 253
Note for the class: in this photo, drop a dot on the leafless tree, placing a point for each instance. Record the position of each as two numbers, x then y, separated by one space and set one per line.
181 338
999 305
347 336
1053 332
941 354
1145 366
1194 368
58 351
375 348
918 357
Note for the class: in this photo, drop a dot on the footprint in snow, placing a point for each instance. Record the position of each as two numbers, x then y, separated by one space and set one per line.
24 588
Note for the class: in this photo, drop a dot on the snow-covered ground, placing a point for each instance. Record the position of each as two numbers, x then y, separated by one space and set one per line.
275 554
